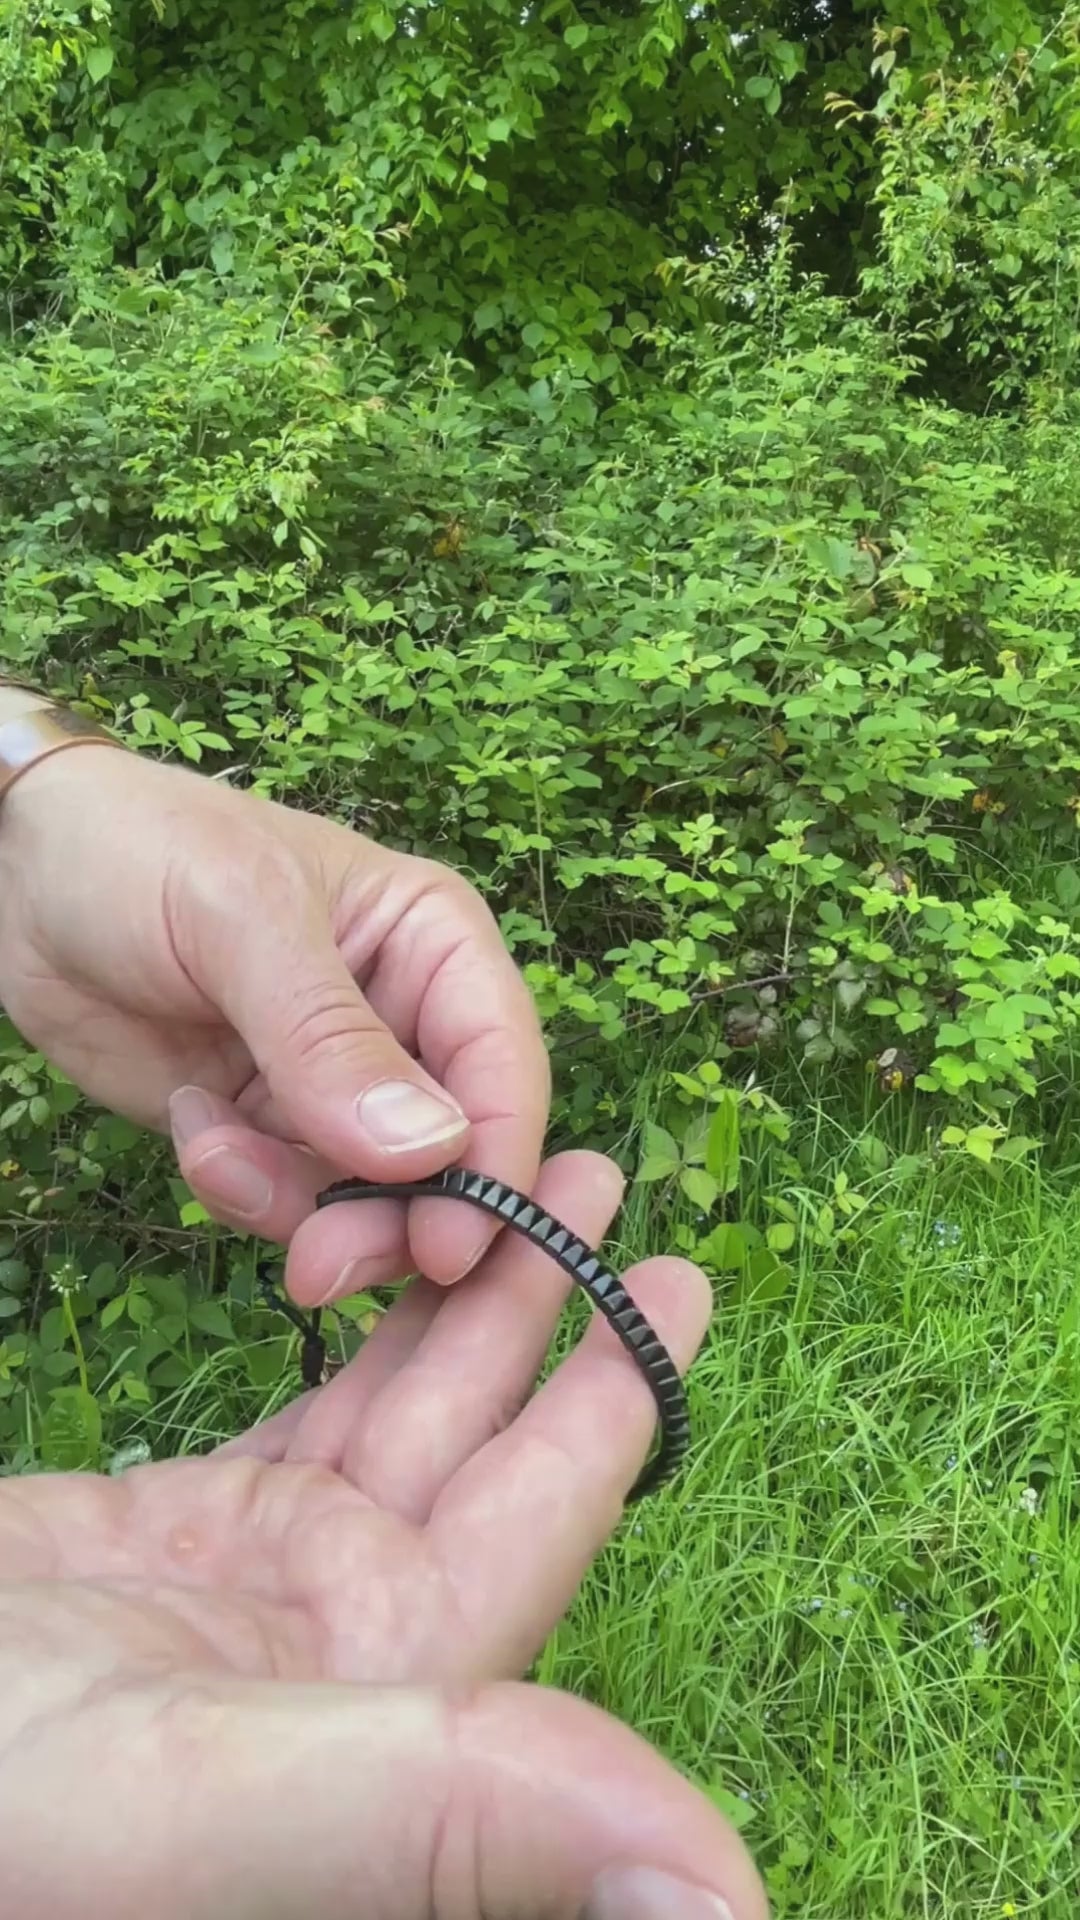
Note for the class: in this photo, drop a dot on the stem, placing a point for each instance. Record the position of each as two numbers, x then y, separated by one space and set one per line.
73 1332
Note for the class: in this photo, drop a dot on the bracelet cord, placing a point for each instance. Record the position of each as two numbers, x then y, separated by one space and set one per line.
604 1289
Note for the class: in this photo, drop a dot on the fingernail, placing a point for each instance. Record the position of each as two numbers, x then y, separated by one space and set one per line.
477 1254
191 1111
233 1183
399 1115
640 1893
356 1276
349 1280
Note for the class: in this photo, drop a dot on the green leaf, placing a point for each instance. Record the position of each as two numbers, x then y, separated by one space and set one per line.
849 993
99 62
657 1140
71 1431
656 1166
210 1317
1067 886
780 1237
818 1050
486 317
59 1365
764 1280
735 1810
980 1143
576 34
874 1151
722 1143
699 1187
1016 1148
826 1222
725 1248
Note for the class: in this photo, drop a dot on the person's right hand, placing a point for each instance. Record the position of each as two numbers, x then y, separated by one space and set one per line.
280 1683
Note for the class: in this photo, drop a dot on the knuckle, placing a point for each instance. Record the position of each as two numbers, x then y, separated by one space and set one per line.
322 1022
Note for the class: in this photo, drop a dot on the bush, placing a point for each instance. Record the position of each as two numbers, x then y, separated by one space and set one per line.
748 680
706 631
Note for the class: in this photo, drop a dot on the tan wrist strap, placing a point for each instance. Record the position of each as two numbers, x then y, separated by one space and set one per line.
31 737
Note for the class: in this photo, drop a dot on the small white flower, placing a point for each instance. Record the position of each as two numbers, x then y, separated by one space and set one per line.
1029 1501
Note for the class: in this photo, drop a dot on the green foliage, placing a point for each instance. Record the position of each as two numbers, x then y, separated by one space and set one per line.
732 694
978 198
116 1294
381 424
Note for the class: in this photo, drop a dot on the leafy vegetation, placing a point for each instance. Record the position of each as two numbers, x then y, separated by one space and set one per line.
628 452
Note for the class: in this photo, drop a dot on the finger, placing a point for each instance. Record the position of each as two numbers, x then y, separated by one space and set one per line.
479 1033
332 1068
251 1798
270 1439
244 1178
519 1524
347 1247
323 1435
337 1078
258 1183
315 1426
480 1357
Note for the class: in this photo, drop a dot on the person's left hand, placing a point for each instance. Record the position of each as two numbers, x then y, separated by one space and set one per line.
274 1681
294 1001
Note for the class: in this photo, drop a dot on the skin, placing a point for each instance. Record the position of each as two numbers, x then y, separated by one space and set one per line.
284 1680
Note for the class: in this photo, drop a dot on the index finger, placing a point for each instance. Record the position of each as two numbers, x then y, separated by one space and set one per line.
478 1034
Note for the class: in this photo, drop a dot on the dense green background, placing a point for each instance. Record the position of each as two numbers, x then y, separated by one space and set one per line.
629 452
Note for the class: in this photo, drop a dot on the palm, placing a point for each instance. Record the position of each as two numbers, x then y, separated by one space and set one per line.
404 1522
258 1683
268 1571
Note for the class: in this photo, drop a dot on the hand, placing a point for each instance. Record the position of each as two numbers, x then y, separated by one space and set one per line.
275 1682
295 1002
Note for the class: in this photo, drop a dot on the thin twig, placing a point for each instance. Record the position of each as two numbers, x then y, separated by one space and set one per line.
696 999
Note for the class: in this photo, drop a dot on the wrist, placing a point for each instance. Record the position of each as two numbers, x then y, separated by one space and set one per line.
35 730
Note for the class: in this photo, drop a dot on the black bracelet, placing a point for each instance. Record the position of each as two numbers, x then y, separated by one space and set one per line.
606 1292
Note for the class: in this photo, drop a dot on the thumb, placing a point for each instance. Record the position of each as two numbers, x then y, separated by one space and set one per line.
341 1802
338 1079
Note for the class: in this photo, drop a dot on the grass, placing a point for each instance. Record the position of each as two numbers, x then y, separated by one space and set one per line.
854 1618
855 1621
